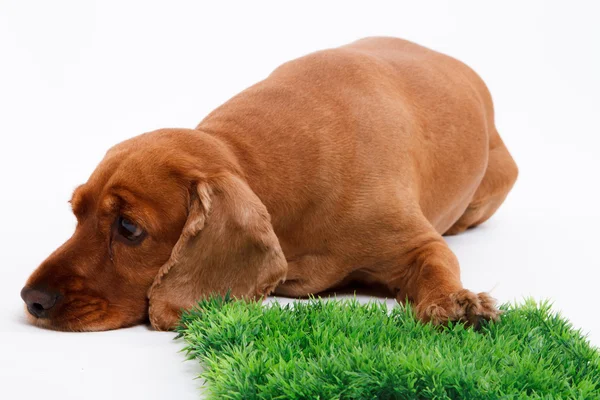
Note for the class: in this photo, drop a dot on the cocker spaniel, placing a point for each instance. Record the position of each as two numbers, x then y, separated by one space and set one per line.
344 165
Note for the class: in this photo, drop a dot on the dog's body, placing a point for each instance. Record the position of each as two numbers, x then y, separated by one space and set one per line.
363 156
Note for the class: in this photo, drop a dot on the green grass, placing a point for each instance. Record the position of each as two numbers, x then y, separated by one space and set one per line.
345 350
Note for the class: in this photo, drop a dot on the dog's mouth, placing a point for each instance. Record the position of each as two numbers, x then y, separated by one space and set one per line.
72 312
78 312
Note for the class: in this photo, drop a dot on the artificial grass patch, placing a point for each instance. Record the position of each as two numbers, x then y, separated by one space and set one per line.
347 350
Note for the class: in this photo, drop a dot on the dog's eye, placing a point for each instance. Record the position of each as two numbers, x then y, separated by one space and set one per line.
129 230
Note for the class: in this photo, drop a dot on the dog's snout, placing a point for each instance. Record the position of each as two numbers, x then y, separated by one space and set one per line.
38 301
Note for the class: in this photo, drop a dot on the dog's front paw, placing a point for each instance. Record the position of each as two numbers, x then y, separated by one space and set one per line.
163 317
464 306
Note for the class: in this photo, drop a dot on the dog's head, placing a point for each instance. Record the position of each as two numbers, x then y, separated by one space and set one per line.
165 219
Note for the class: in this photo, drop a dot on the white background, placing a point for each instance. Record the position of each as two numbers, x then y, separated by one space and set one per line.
77 77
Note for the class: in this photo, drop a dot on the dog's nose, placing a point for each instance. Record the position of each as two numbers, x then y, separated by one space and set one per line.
38 301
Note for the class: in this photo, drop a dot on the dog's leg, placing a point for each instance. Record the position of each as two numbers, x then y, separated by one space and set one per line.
499 178
427 273
311 274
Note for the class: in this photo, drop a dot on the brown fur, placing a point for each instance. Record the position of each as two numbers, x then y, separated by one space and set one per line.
346 164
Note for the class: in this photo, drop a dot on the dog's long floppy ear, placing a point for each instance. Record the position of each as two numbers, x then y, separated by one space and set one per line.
227 243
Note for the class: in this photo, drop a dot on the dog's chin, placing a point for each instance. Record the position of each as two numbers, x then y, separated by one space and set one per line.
92 322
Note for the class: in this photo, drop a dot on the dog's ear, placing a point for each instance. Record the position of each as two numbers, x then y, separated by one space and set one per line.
227 244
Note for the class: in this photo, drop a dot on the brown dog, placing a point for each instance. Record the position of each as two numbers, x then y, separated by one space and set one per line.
344 165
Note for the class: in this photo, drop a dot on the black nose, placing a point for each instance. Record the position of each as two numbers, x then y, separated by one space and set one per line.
38 301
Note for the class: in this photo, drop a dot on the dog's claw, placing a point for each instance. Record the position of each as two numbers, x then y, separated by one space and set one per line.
464 306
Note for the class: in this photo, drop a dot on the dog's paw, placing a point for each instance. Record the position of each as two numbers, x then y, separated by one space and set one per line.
163 317
463 306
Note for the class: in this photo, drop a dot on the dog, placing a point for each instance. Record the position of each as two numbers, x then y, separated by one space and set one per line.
345 165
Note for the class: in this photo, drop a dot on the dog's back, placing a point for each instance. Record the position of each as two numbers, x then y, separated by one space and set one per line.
331 131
